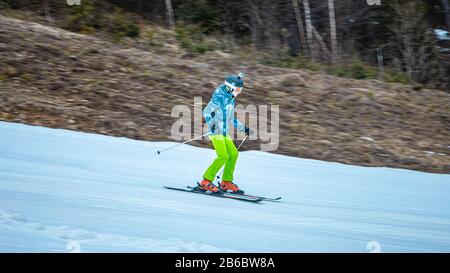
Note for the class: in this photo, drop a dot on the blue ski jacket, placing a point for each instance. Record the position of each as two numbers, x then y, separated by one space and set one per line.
220 112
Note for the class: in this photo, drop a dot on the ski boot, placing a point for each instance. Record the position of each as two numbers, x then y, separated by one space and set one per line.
206 185
230 186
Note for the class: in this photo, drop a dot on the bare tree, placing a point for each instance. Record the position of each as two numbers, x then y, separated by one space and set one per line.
272 26
139 5
380 63
446 7
170 16
48 15
414 41
256 23
300 27
309 29
332 29
322 44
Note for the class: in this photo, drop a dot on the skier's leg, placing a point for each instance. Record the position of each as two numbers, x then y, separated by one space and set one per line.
232 158
218 142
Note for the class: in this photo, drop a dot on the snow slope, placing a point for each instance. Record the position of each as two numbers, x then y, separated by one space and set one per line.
60 188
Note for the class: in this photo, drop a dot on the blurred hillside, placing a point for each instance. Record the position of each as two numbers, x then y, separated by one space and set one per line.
126 83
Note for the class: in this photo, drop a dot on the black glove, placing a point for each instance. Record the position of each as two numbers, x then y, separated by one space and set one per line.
247 130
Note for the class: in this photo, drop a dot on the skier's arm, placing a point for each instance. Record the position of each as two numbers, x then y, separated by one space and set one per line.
210 110
238 125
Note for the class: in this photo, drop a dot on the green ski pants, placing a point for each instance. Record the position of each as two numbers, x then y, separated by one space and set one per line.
227 155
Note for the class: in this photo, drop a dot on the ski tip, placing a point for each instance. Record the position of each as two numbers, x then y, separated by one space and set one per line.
272 199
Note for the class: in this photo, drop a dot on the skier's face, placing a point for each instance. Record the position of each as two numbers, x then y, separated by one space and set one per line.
236 91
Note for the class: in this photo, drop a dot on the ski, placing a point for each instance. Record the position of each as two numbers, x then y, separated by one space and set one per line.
253 199
246 195
270 199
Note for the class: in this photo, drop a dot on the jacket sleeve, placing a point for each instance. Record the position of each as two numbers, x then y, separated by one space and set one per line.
211 109
238 125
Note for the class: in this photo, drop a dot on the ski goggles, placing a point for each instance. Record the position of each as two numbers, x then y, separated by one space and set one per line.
236 91
233 89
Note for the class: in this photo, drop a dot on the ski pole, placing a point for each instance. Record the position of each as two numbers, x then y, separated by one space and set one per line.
237 149
187 141
245 138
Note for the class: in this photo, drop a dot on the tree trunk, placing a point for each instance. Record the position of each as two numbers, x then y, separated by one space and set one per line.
322 44
380 63
446 7
256 23
309 29
332 30
300 27
139 4
170 16
48 15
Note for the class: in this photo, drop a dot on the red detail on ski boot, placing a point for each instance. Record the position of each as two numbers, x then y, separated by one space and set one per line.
227 185
206 185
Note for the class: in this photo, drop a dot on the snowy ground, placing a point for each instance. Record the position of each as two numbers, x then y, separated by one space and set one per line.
60 188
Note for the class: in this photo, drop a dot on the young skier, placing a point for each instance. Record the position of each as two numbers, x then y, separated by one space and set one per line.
218 114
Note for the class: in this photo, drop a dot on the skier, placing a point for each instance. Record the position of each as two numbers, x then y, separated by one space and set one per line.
218 114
